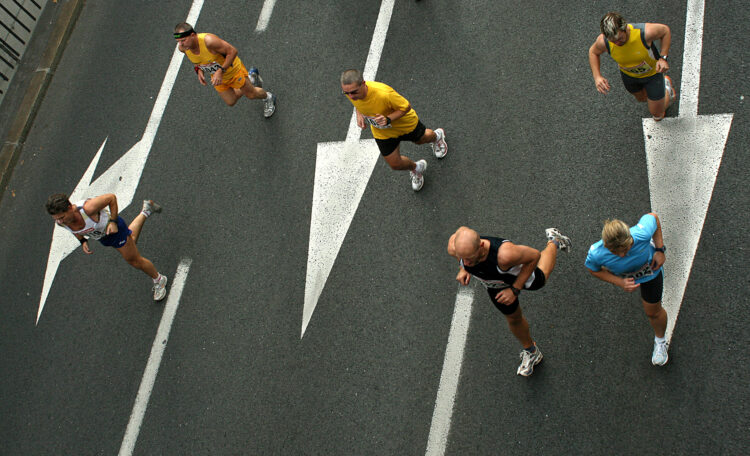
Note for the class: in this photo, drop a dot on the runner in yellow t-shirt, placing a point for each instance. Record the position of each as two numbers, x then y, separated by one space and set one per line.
642 66
391 120
229 76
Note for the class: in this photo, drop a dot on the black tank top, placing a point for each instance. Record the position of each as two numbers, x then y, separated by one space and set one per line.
488 272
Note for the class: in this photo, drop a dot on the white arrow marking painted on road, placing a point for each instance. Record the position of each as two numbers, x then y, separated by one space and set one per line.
454 356
342 170
154 359
121 178
684 155
265 15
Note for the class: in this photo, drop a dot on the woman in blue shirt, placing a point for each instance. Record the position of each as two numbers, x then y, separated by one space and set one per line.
632 258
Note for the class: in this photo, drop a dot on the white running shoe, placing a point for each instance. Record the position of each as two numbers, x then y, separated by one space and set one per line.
160 288
669 87
269 106
553 234
440 147
417 179
660 356
150 207
528 361
254 77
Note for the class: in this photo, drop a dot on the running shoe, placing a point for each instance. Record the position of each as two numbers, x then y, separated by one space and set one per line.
659 357
528 361
160 288
417 179
440 147
269 106
150 207
254 77
564 244
669 87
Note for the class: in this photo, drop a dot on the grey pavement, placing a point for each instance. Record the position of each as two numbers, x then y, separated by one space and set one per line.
532 145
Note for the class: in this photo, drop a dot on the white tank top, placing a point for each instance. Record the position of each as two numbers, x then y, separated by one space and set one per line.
92 229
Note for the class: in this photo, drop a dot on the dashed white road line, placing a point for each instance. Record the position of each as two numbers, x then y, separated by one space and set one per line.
454 355
154 360
265 15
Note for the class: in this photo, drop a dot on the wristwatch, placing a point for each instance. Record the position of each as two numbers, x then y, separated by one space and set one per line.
661 249
663 57
515 290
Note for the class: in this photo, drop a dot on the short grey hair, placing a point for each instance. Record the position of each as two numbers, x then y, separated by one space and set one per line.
351 77
611 24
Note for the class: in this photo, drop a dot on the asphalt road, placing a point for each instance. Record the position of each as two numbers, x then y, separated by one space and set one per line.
532 145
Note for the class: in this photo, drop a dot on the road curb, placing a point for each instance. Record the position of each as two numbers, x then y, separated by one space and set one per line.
11 149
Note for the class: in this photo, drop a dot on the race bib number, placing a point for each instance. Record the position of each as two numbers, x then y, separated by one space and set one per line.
644 271
212 67
641 68
93 233
494 284
371 121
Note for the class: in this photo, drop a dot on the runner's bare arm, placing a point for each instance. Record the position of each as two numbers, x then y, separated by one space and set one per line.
595 52
658 238
509 255
628 284
94 205
659 32
219 46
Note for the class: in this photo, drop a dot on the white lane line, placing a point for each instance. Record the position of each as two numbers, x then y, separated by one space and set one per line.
454 355
691 58
265 15
154 360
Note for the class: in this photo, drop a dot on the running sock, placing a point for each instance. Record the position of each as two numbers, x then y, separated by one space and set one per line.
419 169
158 278
147 214
438 136
532 349
660 340
269 95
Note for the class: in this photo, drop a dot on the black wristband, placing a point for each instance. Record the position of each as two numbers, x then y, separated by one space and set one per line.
515 290
82 240
387 120
112 221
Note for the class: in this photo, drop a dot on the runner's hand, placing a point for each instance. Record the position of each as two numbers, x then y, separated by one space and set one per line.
381 120
505 296
662 66
361 120
201 78
658 260
629 285
85 247
216 78
463 277
111 228
602 85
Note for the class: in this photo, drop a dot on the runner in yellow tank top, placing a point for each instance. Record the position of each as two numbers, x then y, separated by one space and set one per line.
391 120
229 76
642 66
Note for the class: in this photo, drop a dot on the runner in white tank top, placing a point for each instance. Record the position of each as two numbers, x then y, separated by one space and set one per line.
97 218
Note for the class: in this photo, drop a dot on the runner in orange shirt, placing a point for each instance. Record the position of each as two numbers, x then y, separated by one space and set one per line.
228 75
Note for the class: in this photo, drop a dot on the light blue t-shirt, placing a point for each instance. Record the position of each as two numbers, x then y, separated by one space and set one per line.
637 262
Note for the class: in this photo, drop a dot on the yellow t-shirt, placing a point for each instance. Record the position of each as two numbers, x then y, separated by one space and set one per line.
382 99
211 62
633 57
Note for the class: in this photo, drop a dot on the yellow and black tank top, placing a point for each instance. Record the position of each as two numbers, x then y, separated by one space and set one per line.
635 58
211 62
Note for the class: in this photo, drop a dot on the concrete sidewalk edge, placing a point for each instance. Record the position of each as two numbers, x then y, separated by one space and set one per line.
11 149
